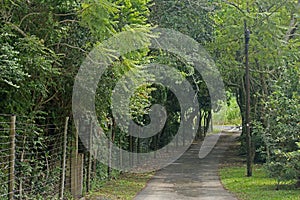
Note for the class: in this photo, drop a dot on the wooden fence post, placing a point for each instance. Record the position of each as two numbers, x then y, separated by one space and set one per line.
22 160
88 175
61 195
80 167
121 153
155 145
12 158
75 191
109 146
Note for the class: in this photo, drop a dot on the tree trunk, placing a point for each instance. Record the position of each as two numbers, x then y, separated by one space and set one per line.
247 117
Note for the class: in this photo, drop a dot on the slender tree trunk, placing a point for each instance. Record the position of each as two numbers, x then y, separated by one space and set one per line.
247 117
112 138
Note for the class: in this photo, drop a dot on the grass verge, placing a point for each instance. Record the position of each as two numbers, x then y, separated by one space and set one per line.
258 187
125 187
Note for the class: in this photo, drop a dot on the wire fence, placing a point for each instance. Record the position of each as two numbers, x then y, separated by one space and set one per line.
44 158
32 159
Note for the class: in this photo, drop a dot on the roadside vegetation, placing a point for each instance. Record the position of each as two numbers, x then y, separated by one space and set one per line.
44 42
259 186
125 187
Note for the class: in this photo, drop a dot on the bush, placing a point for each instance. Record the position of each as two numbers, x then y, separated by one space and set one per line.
281 135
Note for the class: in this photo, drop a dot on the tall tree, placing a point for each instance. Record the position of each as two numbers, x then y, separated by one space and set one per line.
268 22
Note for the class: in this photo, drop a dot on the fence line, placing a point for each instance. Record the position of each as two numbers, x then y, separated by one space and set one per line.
28 159
49 161
42 161
64 160
12 157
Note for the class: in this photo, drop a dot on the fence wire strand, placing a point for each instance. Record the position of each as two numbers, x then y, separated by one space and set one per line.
41 166
37 158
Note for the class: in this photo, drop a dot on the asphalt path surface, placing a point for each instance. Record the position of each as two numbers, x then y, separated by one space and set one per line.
191 177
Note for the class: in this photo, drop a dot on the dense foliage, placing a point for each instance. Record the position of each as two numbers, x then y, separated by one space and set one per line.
274 75
43 43
281 136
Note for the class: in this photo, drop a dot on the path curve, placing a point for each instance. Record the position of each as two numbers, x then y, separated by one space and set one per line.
190 177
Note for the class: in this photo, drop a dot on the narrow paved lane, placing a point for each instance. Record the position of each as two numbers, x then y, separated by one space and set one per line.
190 177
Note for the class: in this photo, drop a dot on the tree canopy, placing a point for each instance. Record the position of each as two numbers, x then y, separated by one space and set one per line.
43 43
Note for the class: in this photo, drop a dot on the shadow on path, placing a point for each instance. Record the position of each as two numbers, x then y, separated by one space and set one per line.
191 177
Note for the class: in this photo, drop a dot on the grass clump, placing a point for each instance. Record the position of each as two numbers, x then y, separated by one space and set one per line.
259 186
125 187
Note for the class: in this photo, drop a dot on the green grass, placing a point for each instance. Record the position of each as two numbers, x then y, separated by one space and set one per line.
125 187
258 187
